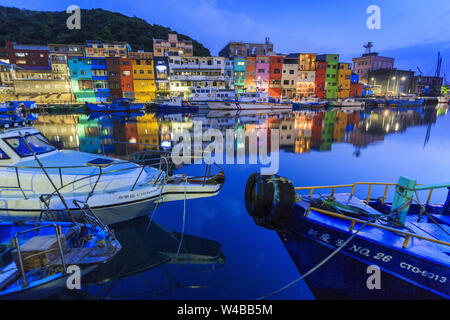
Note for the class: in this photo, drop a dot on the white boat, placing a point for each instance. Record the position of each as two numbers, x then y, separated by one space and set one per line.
349 102
205 94
250 101
175 103
309 102
37 177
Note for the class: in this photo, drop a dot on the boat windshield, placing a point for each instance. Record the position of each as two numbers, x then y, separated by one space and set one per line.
3 155
37 142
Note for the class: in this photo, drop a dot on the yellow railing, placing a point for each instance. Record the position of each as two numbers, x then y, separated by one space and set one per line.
407 235
354 185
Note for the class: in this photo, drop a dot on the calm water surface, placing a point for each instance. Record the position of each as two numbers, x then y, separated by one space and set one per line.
224 254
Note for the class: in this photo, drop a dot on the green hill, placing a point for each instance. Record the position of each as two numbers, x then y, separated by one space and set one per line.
42 27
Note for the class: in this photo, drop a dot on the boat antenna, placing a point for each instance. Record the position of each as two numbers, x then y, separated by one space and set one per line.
48 177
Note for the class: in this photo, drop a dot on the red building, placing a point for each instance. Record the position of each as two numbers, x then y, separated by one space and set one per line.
275 73
356 89
126 78
321 76
28 57
114 81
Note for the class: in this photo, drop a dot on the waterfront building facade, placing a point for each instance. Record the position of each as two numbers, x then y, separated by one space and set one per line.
126 78
331 77
427 86
239 68
370 62
144 83
306 75
172 47
31 57
320 79
6 74
392 81
99 49
162 77
344 80
289 76
236 49
200 72
262 73
275 74
114 81
250 74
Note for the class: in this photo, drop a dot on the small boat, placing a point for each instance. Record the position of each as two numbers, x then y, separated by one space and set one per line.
37 177
311 102
176 104
36 259
206 94
349 102
119 105
338 235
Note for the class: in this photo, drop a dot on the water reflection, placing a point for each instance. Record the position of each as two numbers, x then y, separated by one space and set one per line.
148 249
300 131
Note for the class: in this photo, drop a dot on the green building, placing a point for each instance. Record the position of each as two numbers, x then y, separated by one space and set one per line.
331 80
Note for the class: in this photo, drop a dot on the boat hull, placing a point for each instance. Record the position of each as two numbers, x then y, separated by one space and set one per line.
345 276
111 207
248 106
45 289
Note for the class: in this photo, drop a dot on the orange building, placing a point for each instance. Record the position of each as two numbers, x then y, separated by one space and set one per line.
250 78
275 69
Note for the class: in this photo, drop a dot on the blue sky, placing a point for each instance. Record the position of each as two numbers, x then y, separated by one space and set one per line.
412 31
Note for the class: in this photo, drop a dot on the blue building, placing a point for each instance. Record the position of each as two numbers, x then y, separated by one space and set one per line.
89 79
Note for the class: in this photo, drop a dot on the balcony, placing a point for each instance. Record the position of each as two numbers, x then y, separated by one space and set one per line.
198 78
196 66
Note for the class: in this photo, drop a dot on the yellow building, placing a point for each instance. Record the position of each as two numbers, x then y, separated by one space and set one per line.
344 76
148 132
143 76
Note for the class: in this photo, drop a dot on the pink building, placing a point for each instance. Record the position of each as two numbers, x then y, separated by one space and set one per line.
262 73
370 62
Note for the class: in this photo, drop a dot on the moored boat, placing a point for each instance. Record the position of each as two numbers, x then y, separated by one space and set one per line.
310 102
36 177
176 104
37 259
119 105
337 240
250 101
349 102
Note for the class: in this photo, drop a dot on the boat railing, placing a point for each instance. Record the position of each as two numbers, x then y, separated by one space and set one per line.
15 244
370 185
364 223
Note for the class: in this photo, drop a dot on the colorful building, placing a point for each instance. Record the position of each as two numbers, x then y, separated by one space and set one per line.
262 73
144 83
331 78
114 81
344 80
239 70
289 76
306 75
126 78
320 80
276 67
162 77
250 74
100 80
81 79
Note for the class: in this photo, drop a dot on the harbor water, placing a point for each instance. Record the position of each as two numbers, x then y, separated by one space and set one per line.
223 253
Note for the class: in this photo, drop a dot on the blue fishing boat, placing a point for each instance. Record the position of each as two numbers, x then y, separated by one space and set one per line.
119 105
36 259
348 248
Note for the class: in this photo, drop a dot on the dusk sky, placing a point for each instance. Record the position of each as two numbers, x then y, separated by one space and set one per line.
412 31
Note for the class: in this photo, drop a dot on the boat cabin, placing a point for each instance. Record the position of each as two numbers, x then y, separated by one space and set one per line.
254 97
